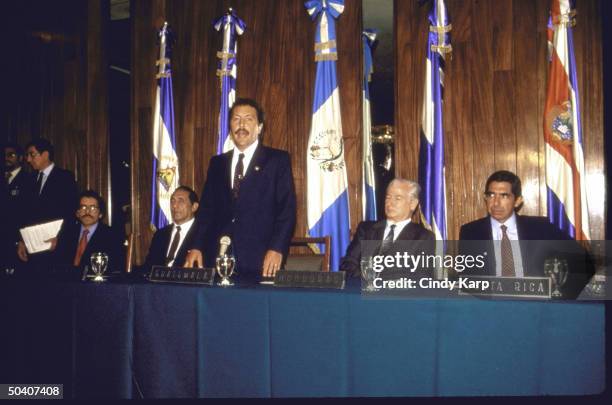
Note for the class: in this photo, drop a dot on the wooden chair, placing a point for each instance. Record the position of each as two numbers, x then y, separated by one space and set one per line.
309 261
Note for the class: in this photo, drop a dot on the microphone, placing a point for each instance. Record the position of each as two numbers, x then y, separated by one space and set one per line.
224 243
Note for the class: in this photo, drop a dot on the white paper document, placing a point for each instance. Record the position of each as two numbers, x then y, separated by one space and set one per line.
35 236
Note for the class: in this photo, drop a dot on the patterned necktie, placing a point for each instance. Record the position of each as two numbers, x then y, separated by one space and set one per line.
80 248
506 254
388 241
238 175
39 182
174 246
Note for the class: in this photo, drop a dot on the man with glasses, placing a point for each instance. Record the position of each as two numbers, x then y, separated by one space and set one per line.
79 240
54 191
502 235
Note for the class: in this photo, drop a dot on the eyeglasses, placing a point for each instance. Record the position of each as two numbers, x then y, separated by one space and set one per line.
33 154
489 195
89 208
10 154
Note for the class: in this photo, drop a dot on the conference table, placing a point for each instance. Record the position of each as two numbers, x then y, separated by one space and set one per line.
153 340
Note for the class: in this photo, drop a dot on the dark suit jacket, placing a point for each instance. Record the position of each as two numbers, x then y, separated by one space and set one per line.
18 194
550 242
58 199
159 246
374 231
16 197
263 216
103 240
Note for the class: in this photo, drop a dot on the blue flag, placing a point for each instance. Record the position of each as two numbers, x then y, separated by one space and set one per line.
231 26
431 156
328 206
165 178
368 193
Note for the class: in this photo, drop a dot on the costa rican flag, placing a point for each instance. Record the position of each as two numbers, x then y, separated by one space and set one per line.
232 26
328 206
368 192
431 155
565 175
165 178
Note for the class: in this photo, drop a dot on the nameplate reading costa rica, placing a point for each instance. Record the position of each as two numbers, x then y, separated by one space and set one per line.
518 287
310 279
182 275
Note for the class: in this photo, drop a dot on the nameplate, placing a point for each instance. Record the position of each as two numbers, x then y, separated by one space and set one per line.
182 275
310 279
517 287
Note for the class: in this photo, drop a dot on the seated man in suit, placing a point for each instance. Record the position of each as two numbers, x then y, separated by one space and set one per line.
78 240
503 224
170 244
401 202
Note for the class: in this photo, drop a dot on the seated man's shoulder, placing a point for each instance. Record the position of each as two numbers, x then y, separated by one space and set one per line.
470 227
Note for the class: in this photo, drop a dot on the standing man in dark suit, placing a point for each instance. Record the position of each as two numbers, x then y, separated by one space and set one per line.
249 195
170 244
506 232
79 240
54 192
18 189
401 202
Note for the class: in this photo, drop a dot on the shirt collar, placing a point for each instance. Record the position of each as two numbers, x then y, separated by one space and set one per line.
91 229
248 152
510 222
15 172
48 169
185 226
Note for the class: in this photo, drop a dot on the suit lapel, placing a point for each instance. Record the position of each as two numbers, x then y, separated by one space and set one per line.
48 184
409 232
522 235
378 230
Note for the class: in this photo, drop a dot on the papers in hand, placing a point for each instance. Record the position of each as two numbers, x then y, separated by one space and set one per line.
35 236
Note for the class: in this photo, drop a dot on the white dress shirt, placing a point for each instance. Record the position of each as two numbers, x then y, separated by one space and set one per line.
399 227
14 174
248 155
184 231
516 248
46 172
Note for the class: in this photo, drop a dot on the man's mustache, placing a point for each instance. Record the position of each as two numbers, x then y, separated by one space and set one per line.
242 132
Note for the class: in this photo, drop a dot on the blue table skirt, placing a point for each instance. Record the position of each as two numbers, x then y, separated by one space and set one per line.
173 341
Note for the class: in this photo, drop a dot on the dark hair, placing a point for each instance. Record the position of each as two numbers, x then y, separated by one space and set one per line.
250 102
42 145
13 145
97 197
508 177
193 197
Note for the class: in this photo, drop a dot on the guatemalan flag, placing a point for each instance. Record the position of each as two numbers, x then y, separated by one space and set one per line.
368 193
231 26
165 177
328 207
431 156
565 175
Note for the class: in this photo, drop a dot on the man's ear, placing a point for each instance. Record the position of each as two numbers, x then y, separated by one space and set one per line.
195 207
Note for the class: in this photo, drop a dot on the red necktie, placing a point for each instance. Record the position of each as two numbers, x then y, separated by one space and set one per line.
80 248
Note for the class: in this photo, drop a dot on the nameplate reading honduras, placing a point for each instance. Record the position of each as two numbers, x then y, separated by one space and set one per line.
517 287
182 275
310 279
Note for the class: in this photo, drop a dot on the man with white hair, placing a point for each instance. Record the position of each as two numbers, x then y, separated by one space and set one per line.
401 203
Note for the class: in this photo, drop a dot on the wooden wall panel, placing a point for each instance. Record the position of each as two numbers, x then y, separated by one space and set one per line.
275 66
58 83
495 93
